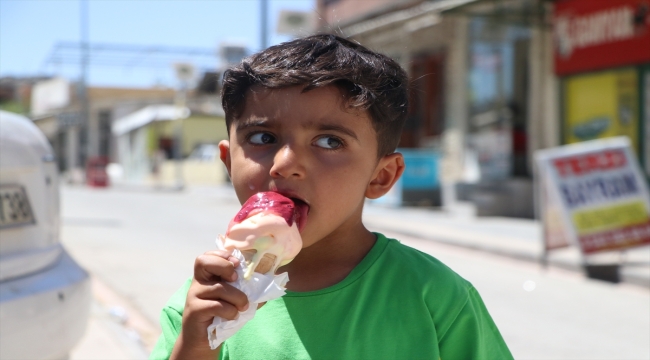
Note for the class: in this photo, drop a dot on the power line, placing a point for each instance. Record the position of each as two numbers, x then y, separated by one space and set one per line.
128 55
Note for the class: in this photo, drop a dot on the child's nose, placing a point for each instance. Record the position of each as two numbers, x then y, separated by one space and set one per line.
286 164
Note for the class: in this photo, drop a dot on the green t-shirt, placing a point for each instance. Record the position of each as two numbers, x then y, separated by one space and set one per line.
398 303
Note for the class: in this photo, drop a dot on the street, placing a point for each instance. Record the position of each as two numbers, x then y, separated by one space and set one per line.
140 245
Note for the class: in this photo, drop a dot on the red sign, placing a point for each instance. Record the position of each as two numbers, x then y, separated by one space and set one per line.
616 239
599 34
584 164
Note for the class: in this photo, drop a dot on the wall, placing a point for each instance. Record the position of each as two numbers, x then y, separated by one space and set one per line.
204 129
196 130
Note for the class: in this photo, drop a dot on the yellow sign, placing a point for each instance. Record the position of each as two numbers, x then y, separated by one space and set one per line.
602 105
610 217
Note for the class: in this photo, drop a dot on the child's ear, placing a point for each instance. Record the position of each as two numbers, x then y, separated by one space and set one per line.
387 172
224 153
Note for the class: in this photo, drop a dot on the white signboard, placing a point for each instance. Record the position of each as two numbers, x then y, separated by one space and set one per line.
49 95
296 23
185 72
594 195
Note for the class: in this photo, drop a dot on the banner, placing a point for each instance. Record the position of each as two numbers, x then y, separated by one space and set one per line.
594 195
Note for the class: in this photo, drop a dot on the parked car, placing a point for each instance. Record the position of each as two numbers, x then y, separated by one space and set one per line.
45 296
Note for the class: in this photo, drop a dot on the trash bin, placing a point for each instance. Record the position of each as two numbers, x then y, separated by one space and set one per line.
96 174
421 180
606 272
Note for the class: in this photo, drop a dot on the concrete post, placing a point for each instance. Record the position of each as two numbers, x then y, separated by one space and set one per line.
71 151
456 114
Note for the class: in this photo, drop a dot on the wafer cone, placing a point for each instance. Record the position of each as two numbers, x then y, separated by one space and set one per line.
264 264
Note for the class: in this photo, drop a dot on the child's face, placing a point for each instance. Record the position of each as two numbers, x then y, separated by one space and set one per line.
306 146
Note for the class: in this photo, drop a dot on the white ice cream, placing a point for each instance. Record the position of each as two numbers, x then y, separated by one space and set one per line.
266 233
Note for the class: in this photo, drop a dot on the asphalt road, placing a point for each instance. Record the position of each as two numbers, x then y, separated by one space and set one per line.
142 243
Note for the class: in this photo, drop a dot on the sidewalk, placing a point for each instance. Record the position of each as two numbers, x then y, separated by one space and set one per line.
511 237
516 238
115 329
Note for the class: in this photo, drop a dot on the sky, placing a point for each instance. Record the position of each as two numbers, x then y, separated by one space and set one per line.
29 30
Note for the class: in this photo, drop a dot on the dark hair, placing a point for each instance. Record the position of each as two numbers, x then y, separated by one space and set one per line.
370 81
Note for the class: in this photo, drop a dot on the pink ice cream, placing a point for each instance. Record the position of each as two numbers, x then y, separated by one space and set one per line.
267 231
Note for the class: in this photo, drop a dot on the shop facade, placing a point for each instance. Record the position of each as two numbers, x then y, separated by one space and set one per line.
511 101
432 49
484 92
602 58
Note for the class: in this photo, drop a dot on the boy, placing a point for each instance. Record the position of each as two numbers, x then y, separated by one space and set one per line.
318 120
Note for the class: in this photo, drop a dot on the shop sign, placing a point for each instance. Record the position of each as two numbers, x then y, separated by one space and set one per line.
602 104
593 195
592 35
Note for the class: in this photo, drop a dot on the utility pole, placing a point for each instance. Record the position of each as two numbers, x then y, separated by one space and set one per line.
185 73
83 83
75 150
264 14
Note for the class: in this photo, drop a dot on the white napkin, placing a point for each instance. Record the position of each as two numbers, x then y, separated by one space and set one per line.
259 288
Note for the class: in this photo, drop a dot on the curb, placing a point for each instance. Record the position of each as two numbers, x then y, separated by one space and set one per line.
629 277
131 318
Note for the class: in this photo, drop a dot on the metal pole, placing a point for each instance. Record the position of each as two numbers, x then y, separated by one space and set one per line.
264 10
83 90
181 101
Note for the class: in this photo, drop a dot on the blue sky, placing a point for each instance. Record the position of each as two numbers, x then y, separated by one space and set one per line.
29 29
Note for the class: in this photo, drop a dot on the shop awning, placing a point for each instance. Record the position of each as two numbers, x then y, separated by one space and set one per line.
417 12
520 12
147 115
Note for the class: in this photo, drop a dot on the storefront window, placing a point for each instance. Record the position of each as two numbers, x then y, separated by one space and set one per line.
498 73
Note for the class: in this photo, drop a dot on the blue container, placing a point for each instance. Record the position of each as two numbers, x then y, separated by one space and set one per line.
421 171
420 182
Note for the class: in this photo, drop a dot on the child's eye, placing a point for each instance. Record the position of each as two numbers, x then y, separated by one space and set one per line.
329 142
261 138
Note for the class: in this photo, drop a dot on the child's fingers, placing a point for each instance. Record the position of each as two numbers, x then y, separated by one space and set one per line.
213 266
224 293
224 254
209 308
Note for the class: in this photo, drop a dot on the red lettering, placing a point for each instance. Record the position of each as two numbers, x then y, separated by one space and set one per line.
584 164
561 166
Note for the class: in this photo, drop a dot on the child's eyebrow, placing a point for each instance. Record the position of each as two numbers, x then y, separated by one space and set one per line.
339 128
252 123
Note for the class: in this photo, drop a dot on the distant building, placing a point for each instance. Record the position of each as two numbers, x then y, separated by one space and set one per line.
15 92
75 141
73 138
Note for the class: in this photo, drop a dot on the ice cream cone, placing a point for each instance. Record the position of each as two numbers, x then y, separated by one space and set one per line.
262 265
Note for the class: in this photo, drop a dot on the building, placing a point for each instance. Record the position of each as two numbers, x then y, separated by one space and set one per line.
602 60
16 92
57 111
496 80
170 145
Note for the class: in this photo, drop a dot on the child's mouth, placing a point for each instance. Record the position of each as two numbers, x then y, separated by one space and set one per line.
302 211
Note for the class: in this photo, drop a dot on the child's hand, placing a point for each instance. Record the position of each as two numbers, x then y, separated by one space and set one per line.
209 295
